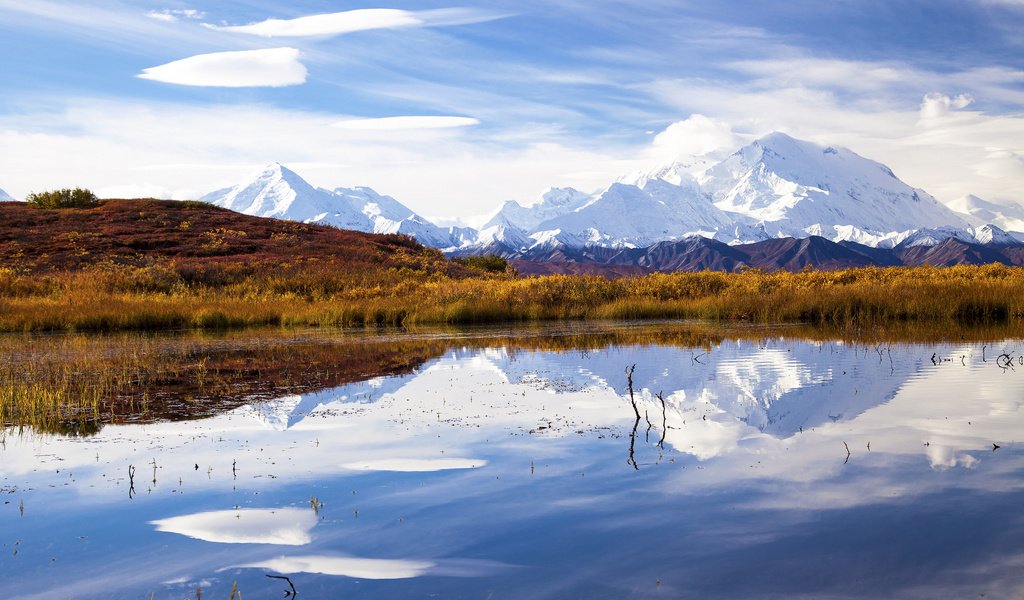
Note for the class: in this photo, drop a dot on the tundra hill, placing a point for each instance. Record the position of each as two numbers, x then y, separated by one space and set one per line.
196 237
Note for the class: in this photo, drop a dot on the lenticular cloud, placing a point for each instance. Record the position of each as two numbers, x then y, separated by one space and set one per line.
363 19
271 67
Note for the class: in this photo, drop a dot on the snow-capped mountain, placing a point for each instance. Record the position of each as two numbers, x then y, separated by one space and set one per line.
631 216
775 187
279 192
1009 217
553 203
5 197
683 168
794 185
993 236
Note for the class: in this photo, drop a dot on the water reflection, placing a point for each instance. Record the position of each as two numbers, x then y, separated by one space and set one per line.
283 526
344 566
414 465
771 466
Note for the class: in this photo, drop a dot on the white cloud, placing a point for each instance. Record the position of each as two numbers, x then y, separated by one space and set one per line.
191 150
271 67
695 136
171 15
405 123
935 106
166 17
363 19
938 143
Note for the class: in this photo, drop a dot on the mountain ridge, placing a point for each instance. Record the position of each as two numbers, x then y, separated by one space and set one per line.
776 187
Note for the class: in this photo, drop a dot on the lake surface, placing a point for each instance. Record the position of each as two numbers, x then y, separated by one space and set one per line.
501 466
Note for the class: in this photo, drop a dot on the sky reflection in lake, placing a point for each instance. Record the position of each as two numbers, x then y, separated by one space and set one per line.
774 468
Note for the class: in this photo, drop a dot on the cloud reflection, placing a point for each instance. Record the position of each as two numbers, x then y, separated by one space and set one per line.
283 526
345 566
415 465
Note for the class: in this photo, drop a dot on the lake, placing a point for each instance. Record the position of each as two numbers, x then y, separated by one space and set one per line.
514 462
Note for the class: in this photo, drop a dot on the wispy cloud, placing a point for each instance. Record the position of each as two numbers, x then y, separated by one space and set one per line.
406 122
97 143
170 15
339 23
271 67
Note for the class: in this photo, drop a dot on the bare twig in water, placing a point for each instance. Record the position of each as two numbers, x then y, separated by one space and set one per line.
995 447
632 445
1005 361
629 382
293 593
847 453
664 421
131 481
632 435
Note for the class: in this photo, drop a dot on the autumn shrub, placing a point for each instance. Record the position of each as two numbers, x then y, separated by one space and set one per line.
63 198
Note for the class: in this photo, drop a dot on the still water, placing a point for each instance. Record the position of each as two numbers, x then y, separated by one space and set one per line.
771 466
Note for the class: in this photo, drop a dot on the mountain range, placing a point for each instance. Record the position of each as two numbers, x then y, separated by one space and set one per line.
776 187
280 193
778 202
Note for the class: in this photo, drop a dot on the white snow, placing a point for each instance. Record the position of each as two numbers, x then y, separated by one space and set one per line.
1008 217
278 192
776 186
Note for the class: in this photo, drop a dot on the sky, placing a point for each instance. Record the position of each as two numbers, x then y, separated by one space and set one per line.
454 108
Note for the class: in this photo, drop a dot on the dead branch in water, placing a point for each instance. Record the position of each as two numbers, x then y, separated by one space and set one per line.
293 593
664 421
632 400
629 382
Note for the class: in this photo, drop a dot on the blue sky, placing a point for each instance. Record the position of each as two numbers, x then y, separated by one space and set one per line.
174 99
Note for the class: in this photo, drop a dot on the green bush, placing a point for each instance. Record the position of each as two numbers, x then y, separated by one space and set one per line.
63 198
488 263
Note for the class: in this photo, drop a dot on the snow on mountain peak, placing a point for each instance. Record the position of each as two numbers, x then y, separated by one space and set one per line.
5 197
683 169
279 192
1008 217
799 184
992 236
776 186
552 203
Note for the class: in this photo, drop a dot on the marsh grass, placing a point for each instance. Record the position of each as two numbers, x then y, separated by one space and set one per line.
168 296
73 384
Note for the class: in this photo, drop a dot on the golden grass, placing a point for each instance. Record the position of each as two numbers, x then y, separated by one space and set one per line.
157 297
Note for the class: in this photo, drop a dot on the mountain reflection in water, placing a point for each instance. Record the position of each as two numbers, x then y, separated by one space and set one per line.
777 466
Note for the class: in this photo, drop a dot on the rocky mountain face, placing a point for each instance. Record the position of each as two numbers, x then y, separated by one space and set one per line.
790 254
